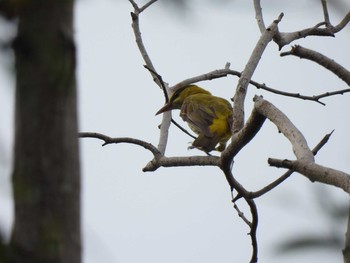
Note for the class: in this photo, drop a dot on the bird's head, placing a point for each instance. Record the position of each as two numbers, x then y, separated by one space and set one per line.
177 99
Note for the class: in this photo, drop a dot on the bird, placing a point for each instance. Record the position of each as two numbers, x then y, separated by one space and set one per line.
210 117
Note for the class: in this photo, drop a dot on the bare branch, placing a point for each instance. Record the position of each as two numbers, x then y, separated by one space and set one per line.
284 125
253 225
235 185
241 91
248 196
253 229
315 172
283 39
182 129
181 161
241 214
138 9
147 5
215 74
159 160
328 94
239 140
242 138
258 16
164 131
269 187
220 73
109 140
289 94
137 32
304 164
322 60
342 23
139 42
321 143
166 120
159 80
325 12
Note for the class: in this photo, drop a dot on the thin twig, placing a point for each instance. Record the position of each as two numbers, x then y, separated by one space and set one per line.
241 215
220 73
253 229
325 12
239 212
234 184
159 80
166 120
269 187
258 16
108 140
159 160
289 94
305 163
328 94
342 23
285 38
137 32
322 143
183 129
138 9
147 5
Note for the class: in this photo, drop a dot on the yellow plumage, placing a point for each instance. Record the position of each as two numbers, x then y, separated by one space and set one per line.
210 117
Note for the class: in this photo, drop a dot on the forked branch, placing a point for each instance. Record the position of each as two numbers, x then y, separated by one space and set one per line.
285 38
304 164
243 132
278 181
241 90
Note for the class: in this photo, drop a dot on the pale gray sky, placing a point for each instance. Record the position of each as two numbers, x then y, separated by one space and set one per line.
185 215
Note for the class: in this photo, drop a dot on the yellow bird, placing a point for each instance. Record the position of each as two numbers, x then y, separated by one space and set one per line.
210 117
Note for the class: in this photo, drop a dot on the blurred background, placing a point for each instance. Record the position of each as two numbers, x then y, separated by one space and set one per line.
185 214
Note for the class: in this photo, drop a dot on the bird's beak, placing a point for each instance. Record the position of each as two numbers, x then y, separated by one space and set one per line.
166 107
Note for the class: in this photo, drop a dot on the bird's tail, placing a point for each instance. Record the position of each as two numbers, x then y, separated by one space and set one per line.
205 143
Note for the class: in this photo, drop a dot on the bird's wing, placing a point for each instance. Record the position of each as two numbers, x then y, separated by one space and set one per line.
198 116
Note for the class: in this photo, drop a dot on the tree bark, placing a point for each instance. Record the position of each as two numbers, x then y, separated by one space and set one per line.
346 250
46 174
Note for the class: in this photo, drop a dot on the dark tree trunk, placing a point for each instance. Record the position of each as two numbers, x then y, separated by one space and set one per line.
46 175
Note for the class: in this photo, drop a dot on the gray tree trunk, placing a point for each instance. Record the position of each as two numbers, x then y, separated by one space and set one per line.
46 175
